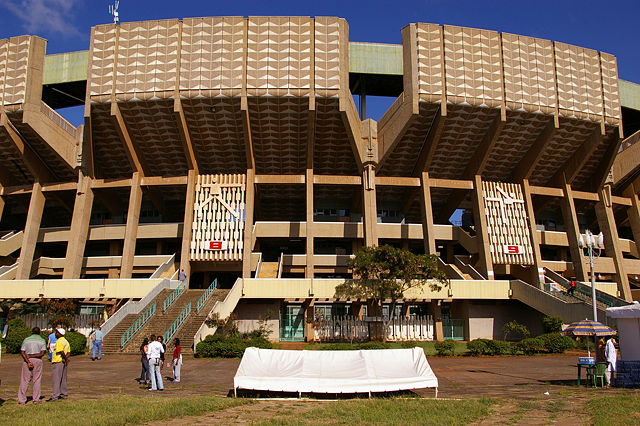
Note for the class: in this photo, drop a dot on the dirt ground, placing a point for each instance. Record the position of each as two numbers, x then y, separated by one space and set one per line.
518 382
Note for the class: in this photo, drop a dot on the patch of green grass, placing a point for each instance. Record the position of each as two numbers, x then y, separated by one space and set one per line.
117 410
615 409
390 411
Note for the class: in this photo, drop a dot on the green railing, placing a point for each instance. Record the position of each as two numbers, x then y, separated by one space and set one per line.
177 323
207 293
173 296
137 324
453 329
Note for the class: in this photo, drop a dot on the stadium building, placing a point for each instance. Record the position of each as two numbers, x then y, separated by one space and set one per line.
234 148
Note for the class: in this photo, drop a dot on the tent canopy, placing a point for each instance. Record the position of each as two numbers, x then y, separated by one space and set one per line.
629 311
334 371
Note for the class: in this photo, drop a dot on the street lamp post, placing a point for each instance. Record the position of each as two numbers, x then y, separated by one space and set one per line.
593 245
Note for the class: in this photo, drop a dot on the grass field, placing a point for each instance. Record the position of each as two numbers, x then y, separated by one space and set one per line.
572 407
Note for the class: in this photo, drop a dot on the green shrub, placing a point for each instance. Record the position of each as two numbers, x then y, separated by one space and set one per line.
556 343
478 347
373 345
513 330
498 347
552 324
77 341
446 348
409 344
217 346
18 331
530 346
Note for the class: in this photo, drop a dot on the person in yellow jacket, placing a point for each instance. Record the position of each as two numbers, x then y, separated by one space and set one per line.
59 366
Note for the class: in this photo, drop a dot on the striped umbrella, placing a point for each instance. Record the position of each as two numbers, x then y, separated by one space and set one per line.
588 328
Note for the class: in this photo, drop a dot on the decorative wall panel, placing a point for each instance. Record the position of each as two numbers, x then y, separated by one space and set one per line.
327 56
218 220
579 82
529 75
473 68
14 59
101 78
429 55
610 89
507 223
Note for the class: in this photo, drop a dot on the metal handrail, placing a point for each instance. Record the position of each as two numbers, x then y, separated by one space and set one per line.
137 324
177 323
173 296
207 293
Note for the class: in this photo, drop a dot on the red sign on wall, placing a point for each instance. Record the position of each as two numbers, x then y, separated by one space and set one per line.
513 249
216 245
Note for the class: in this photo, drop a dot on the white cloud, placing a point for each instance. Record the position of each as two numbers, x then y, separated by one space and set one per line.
44 16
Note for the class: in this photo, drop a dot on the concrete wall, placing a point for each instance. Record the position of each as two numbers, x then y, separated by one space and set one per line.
487 319
250 313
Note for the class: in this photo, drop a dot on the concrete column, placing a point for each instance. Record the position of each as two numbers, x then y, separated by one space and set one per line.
633 213
309 270
607 223
485 264
437 321
369 206
248 224
185 251
538 270
131 230
79 230
114 250
573 233
31 230
427 215
2 203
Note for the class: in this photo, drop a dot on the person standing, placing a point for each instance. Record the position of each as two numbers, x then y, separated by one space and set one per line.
97 344
182 276
154 351
572 287
32 350
59 366
612 357
177 360
51 342
162 354
144 374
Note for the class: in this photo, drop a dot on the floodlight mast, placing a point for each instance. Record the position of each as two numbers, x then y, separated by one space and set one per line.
113 10
593 245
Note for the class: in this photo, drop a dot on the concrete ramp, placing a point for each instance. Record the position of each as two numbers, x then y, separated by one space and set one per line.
551 305
10 243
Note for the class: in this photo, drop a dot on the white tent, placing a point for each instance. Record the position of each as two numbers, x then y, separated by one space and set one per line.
628 319
334 371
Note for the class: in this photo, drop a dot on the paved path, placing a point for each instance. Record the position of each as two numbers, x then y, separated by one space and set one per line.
459 377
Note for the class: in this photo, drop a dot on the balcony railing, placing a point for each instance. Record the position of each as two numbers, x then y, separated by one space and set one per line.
173 296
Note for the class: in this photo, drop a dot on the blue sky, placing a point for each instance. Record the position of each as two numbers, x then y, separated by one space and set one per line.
606 26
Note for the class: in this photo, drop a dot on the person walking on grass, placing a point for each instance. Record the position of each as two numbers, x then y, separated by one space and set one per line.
144 374
32 350
97 344
154 351
59 366
611 357
177 360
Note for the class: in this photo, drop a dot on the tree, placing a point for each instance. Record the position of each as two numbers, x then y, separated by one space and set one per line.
60 312
387 273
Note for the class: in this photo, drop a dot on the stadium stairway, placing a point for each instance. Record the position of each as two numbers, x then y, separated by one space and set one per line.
159 323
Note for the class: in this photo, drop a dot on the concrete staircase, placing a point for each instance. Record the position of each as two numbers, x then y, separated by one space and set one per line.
269 270
161 321
10 242
195 320
111 342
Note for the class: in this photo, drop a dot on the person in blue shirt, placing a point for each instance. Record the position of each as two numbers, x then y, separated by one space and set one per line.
51 343
97 344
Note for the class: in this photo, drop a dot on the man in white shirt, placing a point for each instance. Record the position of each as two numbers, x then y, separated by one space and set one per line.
612 357
153 354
